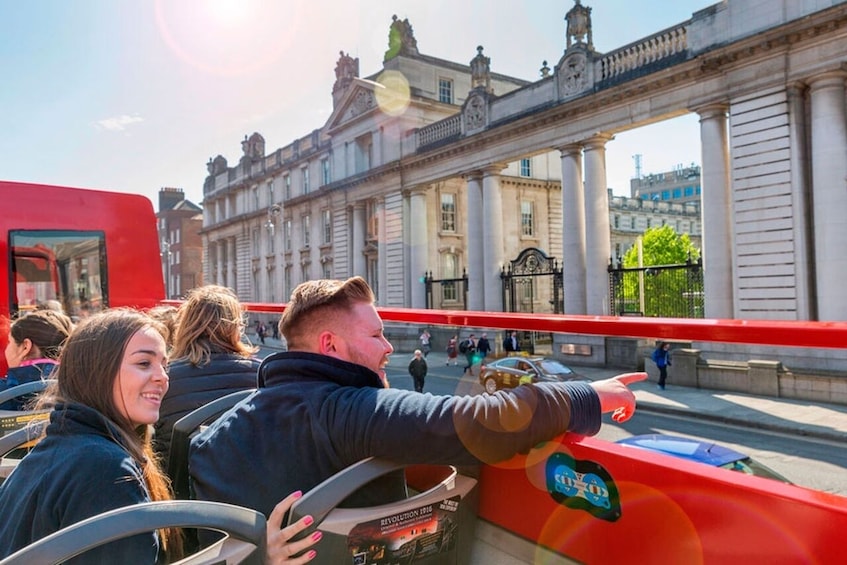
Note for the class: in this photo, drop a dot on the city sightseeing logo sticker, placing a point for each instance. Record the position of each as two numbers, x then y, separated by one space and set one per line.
583 485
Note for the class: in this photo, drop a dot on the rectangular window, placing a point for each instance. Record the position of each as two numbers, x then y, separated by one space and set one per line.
306 188
288 235
287 183
527 223
689 191
449 270
448 212
325 177
445 90
666 195
327 226
327 271
373 220
677 193
254 238
307 229
617 222
287 281
632 223
68 266
526 167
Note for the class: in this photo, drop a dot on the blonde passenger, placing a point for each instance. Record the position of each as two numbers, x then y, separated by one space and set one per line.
210 359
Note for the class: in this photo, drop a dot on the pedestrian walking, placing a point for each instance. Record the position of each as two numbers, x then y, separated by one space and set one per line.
452 350
426 343
483 347
662 358
417 368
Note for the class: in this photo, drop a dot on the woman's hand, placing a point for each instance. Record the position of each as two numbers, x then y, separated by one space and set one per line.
279 550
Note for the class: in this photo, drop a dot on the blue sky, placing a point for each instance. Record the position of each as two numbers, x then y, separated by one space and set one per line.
134 95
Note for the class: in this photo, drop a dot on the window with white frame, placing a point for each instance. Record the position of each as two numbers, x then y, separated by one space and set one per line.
445 90
448 211
327 270
527 220
305 172
287 235
449 270
526 167
307 230
327 225
325 176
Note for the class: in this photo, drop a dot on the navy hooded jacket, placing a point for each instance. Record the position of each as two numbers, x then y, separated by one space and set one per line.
78 470
315 415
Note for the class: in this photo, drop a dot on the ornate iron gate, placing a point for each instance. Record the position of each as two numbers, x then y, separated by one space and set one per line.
533 283
672 291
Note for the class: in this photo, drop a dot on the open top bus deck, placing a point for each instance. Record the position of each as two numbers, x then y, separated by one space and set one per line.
570 499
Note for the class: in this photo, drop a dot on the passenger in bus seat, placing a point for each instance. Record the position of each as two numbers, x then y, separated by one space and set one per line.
35 341
96 453
323 406
166 314
210 360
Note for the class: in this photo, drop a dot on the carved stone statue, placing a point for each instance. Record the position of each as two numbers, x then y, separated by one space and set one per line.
481 71
475 111
401 39
346 69
579 25
254 146
217 165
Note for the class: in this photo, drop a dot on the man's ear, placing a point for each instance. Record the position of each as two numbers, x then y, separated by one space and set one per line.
327 343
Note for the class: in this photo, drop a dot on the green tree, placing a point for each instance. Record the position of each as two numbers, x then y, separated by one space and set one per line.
669 292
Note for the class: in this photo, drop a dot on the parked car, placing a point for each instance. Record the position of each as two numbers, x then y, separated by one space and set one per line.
510 372
702 452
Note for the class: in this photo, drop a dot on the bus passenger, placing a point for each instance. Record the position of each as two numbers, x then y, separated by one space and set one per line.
35 341
96 454
209 358
323 406
166 314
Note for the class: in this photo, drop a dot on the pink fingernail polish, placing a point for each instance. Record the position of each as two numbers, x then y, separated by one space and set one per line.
308 520
317 535
312 554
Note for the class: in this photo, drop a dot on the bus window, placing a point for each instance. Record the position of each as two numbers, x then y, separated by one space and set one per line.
67 266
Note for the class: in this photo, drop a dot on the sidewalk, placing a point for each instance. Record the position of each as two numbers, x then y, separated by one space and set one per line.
797 417
826 421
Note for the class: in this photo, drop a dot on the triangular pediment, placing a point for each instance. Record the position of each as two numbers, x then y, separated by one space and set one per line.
358 101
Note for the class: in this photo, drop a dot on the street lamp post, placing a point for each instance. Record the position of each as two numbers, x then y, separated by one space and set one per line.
166 257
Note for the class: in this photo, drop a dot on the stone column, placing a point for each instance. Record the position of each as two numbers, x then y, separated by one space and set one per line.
492 238
359 227
598 244
573 230
800 201
231 266
418 245
829 191
716 212
475 249
382 257
219 259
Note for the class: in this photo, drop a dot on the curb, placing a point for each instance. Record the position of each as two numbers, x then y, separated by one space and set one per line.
647 406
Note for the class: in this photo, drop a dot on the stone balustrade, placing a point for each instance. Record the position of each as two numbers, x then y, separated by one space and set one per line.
645 52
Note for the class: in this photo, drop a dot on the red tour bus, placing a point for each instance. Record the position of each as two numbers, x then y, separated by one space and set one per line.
86 249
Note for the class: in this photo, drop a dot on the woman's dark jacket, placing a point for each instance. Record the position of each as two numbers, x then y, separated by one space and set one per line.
315 415
192 386
78 470
22 375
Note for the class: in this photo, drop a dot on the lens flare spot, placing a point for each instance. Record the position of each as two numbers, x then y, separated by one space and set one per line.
395 96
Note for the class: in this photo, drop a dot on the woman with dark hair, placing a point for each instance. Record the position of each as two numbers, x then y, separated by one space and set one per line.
96 454
35 341
210 359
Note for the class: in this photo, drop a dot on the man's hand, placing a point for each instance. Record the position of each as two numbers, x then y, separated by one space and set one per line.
615 396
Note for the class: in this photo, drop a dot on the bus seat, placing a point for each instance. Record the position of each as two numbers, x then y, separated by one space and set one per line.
434 526
15 419
15 440
181 435
245 540
23 389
